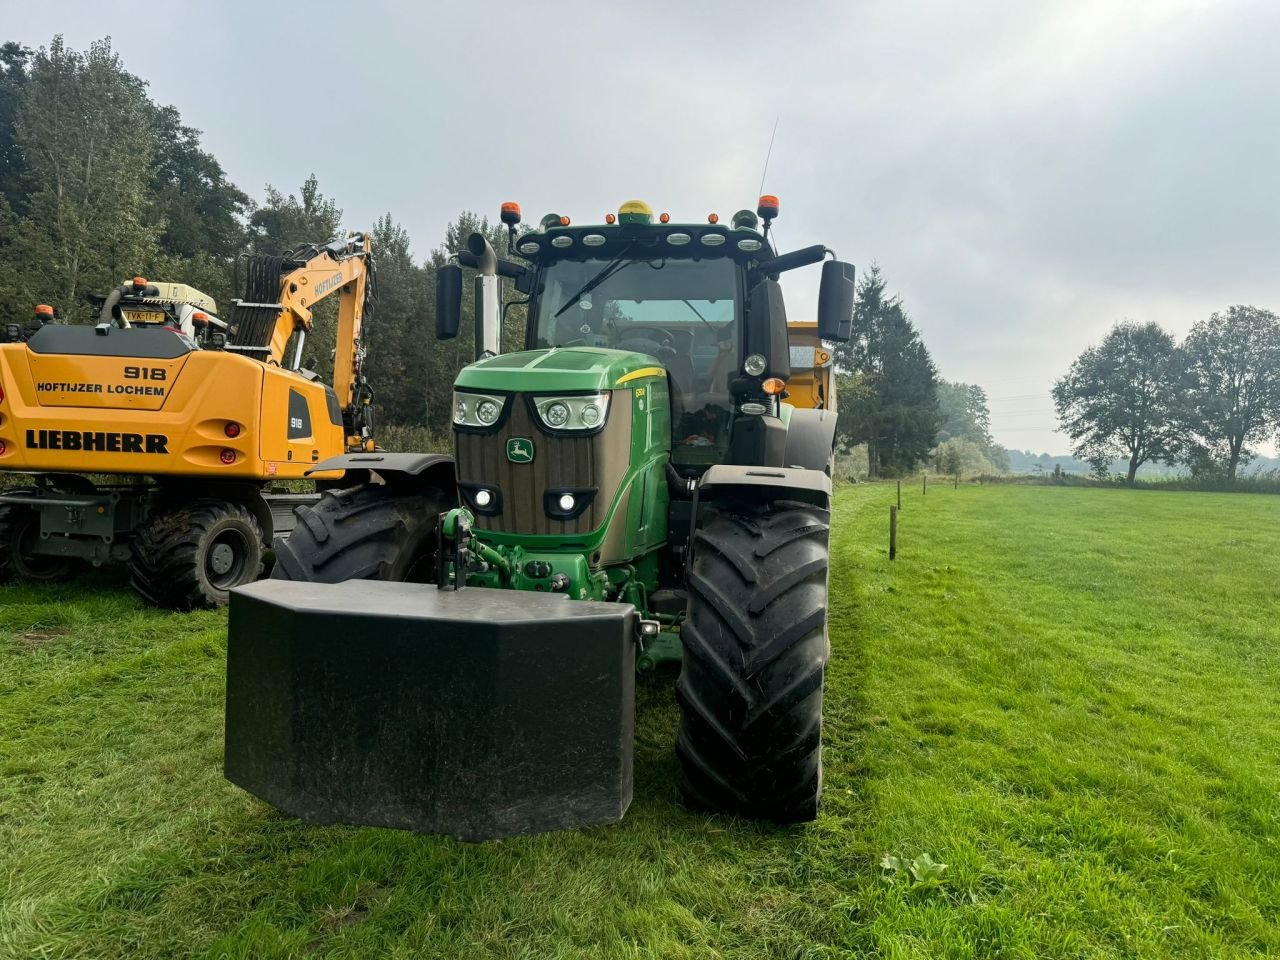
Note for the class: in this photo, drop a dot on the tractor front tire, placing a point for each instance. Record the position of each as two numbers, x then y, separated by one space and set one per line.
19 528
191 556
755 649
366 532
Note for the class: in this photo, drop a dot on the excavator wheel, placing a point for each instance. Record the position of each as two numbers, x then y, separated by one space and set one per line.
192 555
755 648
19 527
365 532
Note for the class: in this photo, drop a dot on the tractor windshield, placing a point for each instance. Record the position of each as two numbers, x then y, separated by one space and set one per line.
682 312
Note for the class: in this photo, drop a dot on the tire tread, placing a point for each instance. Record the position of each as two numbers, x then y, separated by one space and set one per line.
755 651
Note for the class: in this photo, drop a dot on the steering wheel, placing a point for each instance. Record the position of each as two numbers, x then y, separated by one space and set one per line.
641 343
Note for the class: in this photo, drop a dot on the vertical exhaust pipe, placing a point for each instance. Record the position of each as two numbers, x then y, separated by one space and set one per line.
488 297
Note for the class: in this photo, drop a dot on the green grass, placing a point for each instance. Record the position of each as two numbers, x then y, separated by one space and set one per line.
1071 697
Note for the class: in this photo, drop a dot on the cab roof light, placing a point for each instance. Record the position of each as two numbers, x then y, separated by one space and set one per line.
564 221
510 213
139 281
635 211
550 220
745 220
664 217
768 207
610 219
713 218
44 310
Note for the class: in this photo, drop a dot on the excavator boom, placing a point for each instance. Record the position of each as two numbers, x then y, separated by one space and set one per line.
280 296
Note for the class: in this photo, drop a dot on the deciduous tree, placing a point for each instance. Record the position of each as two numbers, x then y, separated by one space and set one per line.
1118 398
202 212
1231 385
84 131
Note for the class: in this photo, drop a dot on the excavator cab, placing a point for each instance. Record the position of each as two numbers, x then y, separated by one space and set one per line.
144 304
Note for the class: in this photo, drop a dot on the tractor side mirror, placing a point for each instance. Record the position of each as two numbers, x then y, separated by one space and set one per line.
448 301
835 301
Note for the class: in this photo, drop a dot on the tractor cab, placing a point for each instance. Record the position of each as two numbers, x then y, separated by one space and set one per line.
701 299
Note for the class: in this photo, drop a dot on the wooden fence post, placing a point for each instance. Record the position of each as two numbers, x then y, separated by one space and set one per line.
893 532
926 485
899 494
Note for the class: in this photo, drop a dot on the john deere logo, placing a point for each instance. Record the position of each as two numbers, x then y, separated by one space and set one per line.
520 450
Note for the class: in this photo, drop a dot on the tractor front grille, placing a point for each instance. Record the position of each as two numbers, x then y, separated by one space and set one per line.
560 462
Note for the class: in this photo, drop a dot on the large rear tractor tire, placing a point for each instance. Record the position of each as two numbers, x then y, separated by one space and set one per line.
19 530
755 648
190 556
366 532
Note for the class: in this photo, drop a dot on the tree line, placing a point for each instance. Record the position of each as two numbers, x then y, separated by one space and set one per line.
1204 403
99 183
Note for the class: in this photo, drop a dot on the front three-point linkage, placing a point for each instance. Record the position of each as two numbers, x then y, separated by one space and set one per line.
460 552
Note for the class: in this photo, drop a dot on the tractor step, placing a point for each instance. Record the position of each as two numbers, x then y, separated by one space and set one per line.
475 713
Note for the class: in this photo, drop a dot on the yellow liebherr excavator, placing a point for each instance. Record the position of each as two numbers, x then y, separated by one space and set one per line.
152 435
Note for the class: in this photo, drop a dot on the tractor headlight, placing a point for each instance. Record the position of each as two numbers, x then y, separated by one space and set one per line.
573 413
556 413
487 411
754 365
477 409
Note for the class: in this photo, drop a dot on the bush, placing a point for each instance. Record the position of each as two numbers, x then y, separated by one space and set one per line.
851 463
1265 482
412 438
960 457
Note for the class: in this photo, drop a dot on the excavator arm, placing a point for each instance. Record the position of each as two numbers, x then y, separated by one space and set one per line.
280 295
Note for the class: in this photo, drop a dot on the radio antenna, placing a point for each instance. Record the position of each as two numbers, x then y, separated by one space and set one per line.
765 172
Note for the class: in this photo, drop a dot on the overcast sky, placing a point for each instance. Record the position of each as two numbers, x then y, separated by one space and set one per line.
1024 173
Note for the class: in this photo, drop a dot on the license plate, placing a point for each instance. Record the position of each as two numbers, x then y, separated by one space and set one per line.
144 316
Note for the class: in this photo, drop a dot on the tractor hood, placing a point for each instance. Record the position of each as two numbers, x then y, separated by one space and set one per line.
569 369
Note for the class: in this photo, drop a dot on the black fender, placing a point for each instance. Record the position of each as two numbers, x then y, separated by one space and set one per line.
412 469
765 483
811 439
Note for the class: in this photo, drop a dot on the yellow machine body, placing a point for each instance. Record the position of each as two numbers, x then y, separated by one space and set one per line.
65 413
809 386
152 437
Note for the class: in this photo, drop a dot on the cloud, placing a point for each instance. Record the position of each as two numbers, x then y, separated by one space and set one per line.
1025 174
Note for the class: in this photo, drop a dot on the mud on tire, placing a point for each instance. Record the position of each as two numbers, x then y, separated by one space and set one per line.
755 649
366 532
190 556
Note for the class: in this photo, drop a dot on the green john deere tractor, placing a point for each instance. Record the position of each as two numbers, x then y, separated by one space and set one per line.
450 644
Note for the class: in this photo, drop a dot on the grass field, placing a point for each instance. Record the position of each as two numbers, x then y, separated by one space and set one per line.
1069 697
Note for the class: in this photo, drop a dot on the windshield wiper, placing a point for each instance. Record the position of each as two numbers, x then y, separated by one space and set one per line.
699 315
613 266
